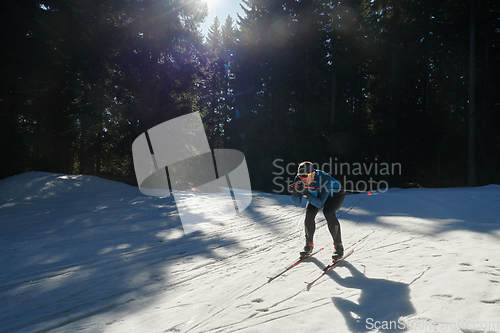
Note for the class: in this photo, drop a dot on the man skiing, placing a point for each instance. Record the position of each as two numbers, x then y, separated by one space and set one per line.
321 191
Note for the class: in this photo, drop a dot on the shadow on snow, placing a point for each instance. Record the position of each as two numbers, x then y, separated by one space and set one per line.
70 252
381 304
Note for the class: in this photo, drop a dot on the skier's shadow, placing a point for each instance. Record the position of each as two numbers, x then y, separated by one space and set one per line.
380 306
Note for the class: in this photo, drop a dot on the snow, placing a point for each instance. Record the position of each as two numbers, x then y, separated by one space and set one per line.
80 253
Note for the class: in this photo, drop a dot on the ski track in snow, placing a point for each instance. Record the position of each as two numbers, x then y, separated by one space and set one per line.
81 253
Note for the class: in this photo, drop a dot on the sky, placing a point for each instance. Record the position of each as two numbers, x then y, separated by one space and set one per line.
221 9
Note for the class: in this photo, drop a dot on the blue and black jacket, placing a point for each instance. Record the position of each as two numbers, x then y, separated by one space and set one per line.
321 187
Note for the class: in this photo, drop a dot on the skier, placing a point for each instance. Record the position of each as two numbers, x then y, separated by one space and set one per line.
321 191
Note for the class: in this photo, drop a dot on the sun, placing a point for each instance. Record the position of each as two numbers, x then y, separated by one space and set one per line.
211 4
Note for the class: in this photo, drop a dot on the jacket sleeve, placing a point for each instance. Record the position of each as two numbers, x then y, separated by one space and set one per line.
297 200
324 191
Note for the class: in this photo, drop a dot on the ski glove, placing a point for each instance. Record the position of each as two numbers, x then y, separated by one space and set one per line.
300 188
294 191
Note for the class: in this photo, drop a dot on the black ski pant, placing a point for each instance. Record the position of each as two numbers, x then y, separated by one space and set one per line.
331 206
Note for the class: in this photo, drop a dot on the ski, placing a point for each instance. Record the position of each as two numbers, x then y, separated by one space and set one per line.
328 268
292 265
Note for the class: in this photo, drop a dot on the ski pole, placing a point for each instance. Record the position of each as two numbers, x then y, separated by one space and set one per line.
335 189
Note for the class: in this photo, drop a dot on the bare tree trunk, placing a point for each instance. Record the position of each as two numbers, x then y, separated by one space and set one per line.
334 85
472 95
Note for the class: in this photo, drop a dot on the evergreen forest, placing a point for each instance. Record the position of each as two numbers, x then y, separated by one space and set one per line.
412 83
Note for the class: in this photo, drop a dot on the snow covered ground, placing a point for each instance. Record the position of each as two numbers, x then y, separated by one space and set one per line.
80 253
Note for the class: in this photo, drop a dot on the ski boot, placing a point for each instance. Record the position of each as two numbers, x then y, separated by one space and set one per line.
339 252
307 250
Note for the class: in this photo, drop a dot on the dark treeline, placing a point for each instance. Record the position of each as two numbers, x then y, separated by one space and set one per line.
356 81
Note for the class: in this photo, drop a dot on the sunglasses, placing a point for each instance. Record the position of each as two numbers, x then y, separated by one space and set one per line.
304 175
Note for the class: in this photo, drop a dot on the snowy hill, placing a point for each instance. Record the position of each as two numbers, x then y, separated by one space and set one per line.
80 253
